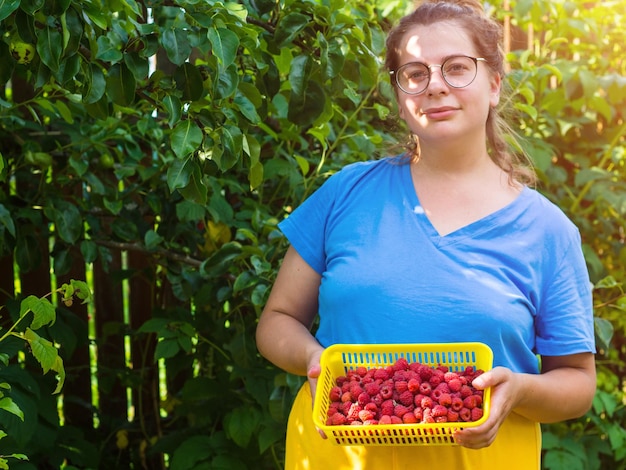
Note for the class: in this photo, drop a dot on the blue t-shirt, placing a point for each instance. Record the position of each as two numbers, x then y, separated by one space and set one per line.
515 279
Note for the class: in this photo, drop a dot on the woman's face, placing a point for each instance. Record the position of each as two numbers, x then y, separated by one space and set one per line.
442 113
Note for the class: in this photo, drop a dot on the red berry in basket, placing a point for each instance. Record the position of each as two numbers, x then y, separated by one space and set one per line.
476 414
384 419
424 371
425 388
353 414
400 410
361 371
346 397
381 374
472 401
396 420
427 402
386 408
465 414
372 388
401 386
419 414
335 394
465 391
409 418
366 415
445 399
337 419
456 404
363 398
406 398
453 416
413 385
454 384
386 391
401 364
439 410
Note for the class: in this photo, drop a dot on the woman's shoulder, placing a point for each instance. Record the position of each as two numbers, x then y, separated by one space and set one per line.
546 215
358 170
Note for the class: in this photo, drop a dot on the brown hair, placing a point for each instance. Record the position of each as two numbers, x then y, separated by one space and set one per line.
486 35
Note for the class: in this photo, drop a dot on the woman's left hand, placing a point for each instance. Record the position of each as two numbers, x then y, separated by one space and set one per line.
504 390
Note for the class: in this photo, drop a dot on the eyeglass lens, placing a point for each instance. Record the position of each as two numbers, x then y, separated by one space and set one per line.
458 72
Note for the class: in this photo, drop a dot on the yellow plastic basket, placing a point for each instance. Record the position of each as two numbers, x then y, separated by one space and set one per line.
338 359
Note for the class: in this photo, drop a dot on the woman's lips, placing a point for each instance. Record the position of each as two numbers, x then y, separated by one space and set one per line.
439 112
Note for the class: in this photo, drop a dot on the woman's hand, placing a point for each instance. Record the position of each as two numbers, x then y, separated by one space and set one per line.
504 391
313 372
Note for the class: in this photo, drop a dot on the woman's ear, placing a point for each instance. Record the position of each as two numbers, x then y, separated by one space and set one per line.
496 84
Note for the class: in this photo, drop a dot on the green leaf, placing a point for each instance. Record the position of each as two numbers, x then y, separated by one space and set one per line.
179 173
604 331
7 404
173 107
152 239
120 85
299 74
43 350
67 220
50 47
225 45
166 349
7 7
176 44
191 452
289 26
304 110
189 80
186 138
6 220
241 423
43 311
109 50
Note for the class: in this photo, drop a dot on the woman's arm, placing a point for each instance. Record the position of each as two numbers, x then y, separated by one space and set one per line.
564 390
283 334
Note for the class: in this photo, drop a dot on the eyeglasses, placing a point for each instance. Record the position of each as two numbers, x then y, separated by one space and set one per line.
457 71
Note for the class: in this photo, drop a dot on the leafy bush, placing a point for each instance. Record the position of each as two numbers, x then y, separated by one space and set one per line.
179 133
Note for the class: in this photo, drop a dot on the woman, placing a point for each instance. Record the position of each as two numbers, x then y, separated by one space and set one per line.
446 243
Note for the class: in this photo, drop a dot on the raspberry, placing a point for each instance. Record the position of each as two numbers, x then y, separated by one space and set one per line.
371 407
356 390
372 388
413 385
439 410
335 393
346 397
353 413
381 374
337 419
427 402
384 419
453 416
377 399
425 372
418 413
445 399
401 364
465 391
454 384
363 398
396 420
386 408
465 414
400 410
401 386
366 415
471 402
441 419
406 398
361 371
386 391
476 414
448 376
456 404
425 388
409 418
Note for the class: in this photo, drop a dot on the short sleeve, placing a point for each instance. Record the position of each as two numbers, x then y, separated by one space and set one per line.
564 322
305 227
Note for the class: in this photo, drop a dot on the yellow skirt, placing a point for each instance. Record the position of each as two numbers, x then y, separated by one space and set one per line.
517 447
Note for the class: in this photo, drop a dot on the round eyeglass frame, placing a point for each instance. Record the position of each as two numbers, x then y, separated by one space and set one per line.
395 73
